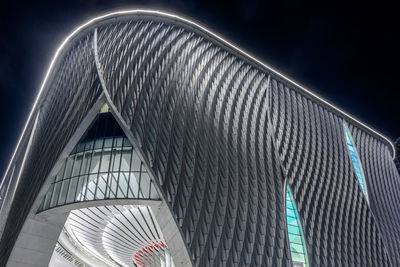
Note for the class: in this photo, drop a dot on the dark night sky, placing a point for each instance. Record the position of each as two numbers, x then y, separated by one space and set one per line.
348 53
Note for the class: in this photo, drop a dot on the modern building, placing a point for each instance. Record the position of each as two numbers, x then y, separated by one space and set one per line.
155 142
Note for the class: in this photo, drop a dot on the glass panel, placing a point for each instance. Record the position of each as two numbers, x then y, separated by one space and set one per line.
355 159
73 151
113 178
80 191
101 186
145 185
108 142
293 230
104 109
89 145
56 194
100 174
153 191
70 161
297 245
46 204
80 147
126 142
72 190
105 161
133 185
85 163
118 141
126 159
94 165
123 185
98 143
77 165
91 187
63 193
60 173
136 162
116 159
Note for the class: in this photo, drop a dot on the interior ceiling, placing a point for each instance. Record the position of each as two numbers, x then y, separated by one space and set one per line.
118 235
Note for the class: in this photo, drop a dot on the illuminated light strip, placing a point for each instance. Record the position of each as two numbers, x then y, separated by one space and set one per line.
141 254
191 23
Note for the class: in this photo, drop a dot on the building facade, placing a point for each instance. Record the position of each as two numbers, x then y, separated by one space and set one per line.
155 142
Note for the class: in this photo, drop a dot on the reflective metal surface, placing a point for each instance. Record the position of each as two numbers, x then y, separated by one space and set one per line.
220 134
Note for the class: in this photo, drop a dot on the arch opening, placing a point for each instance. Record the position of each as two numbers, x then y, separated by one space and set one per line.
103 165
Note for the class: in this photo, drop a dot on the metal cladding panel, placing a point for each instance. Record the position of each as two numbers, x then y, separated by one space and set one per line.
397 163
222 135
9 182
199 114
72 92
339 227
383 183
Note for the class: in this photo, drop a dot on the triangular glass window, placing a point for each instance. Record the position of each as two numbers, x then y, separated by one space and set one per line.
103 165
104 109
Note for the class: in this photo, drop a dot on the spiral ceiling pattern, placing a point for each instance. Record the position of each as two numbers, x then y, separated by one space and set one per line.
119 234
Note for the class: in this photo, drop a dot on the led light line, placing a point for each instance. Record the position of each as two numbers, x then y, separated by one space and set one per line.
191 23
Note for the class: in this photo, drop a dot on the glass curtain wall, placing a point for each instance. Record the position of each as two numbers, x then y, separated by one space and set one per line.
101 168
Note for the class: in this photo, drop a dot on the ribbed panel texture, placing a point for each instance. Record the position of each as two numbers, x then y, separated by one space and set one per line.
337 221
72 92
383 183
222 136
200 116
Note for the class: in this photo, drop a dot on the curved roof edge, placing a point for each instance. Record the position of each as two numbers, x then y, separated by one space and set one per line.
188 22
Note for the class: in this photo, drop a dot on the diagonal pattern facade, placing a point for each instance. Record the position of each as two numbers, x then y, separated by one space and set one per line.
220 136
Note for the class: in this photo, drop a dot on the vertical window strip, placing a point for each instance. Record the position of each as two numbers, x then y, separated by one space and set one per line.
355 159
297 245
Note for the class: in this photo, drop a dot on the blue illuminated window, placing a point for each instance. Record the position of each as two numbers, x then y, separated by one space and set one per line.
355 159
297 244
